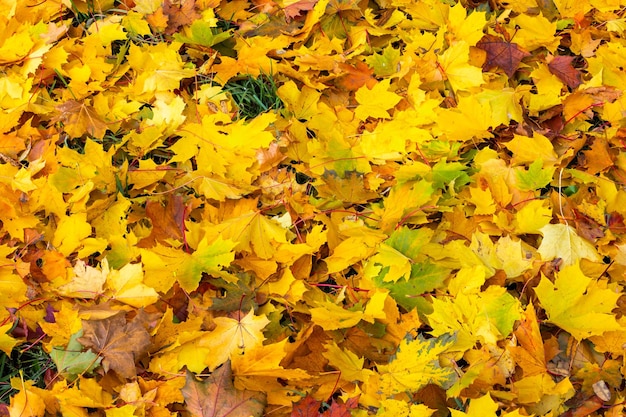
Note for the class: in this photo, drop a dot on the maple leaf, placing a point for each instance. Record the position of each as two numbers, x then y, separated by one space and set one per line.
487 316
164 266
349 190
7 343
259 369
79 118
376 101
455 67
128 287
295 9
501 53
561 241
230 336
561 66
71 361
354 77
179 14
309 407
350 365
577 304
415 365
217 397
120 343
391 407
87 281
306 407
27 402
484 406
530 354
167 221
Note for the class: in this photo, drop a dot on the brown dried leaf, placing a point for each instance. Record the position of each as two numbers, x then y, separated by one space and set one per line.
179 13
217 397
120 343
167 221
501 53
78 118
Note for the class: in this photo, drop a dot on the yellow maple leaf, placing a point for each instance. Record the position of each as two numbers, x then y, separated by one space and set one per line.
542 393
399 265
483 406
463 27
252 232
513 257
391 407
457 70
7 343
578 304
532 217
66 323
264 360
159 67
27 402
486 316
330 316
533 32
416 364
70 232
301 102
376 101
350 365
128 287
232 337
528 150
561 241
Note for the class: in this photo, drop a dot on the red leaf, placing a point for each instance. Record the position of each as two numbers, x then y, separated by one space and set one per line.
562 67
500 53
306 407
342 410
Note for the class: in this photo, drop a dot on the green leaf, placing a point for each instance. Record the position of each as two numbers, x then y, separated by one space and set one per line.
202 33
207 258
535 178
424 278
450 174
385 64
409 242
74 360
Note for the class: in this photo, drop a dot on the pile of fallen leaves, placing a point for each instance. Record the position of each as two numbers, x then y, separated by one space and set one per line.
424 216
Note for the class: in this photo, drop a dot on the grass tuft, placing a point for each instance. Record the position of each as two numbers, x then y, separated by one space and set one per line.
33 363
254 96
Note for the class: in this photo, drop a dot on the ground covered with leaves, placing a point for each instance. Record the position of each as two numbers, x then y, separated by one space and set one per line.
331 207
